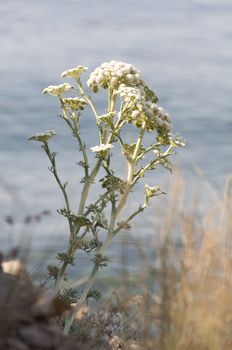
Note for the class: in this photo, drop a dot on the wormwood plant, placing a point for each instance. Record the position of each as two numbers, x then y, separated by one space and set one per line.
130 101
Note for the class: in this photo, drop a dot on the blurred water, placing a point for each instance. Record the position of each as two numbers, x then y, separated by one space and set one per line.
183 49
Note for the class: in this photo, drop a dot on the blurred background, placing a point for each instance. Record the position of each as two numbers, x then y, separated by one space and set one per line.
183 49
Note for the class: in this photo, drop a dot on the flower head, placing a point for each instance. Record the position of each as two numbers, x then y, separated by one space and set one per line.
43 136
75 103
57 90
74 72
101 148
177 140
112 74
107 118
139 109
130 93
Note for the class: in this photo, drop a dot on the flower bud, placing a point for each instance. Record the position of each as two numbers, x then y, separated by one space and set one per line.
149 113
114 81
107 73
95 88
167 126
99 78
135 114
137 76
130 78
161 112
167 117
119 73
126 70
159 122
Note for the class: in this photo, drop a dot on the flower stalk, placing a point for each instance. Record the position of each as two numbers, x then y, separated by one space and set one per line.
131 169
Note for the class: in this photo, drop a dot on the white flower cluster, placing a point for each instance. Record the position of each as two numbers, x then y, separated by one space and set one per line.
112 74
139 110
74 73
43 136
127 82
102 148
74 103
130 93
57 90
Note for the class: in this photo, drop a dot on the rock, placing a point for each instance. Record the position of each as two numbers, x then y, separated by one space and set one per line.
27 314
13 267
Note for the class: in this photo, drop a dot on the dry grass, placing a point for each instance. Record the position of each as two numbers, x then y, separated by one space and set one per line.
200 310
185 289
192 308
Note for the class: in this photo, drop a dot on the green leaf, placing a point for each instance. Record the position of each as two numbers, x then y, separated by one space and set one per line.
100 260
66 258
69 296
151 192
95 294
150 95
81 220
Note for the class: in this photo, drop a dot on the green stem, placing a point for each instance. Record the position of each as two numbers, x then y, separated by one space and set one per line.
113 215
142 171
92 277
85 191
93 274
62 187
75 130
150 148
87 98
131 169
76 133
97 202
125 222
89 179
75 231
90 103
53 169
89 284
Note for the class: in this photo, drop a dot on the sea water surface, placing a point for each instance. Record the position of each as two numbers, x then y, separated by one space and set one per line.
184 51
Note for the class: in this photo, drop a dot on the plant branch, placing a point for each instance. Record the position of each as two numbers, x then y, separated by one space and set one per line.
131 168
89 284
125 222
53 169
151 164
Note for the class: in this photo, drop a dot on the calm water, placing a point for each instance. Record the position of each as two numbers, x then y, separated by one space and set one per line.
183 48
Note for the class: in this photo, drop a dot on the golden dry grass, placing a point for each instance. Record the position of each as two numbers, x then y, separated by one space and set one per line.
192 307
183 294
